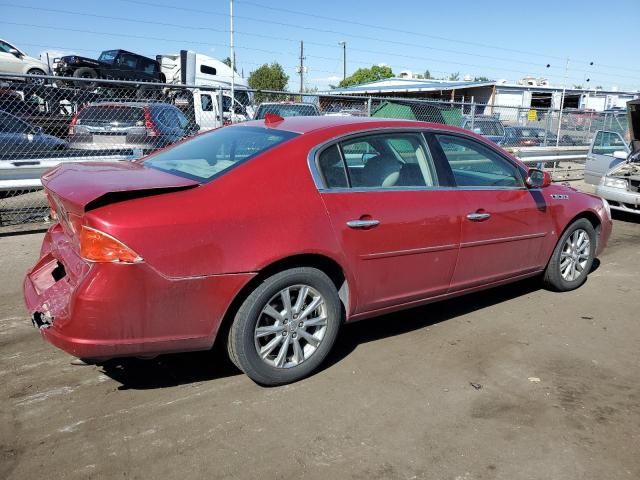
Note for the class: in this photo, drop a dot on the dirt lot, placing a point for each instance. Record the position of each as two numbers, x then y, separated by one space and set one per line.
395 400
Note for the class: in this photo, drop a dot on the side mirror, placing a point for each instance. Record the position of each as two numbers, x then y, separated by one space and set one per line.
620 154
537 178
15 52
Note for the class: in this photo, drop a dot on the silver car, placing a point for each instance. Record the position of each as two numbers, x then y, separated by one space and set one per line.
128 126
615 170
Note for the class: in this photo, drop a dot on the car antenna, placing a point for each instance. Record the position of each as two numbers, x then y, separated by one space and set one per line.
272 118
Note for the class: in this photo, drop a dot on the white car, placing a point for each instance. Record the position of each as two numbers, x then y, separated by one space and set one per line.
13 60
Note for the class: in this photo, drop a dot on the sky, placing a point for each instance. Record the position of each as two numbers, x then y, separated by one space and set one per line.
496 39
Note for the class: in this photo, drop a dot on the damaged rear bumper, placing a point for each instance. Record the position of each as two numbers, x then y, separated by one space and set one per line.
106 310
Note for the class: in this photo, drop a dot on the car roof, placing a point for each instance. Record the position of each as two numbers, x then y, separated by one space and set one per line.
130 104
304 124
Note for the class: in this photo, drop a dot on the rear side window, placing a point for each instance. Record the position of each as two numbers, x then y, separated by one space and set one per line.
205 156
390 160
120 116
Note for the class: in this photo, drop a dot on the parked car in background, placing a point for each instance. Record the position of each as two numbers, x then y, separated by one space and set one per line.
607 150
125 126
522 136
486 125
19 139
268 235
14 60
286 109
111 64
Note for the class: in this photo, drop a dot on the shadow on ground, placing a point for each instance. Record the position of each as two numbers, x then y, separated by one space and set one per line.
178 369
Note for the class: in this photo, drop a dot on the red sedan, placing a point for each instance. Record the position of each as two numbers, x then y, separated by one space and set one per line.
268 235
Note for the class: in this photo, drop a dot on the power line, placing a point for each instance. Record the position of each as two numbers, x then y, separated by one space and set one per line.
421 34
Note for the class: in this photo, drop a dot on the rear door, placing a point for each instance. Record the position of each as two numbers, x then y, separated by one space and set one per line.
504 224
600 157
398 229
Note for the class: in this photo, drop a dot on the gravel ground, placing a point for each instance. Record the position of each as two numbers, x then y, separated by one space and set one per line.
511 383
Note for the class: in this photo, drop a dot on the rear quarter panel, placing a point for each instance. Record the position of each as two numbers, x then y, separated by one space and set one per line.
259 212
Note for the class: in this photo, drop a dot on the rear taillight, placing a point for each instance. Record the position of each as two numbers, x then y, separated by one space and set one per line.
97 246
149 125
72 125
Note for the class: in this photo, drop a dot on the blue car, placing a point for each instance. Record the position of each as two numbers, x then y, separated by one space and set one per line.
19 139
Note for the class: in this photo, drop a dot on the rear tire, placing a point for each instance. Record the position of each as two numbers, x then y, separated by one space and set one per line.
36 81
572 258
85 72
286 327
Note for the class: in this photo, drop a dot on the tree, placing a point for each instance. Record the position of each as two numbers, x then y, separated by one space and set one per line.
454 76
364 75
427 74
268 77
481 79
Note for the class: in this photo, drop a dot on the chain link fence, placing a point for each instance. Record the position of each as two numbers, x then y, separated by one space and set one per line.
47 120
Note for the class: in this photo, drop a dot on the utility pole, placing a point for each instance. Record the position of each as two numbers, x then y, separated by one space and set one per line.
233 65
564 92
301 68
344 59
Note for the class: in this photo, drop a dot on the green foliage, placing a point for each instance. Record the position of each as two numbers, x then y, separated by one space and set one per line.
364 75
427 74
454 76
268 77
481 79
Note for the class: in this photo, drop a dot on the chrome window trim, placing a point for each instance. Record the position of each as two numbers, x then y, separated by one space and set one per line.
318 180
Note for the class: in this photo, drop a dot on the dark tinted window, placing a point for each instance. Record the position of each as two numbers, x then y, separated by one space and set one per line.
116 115
206 103
147 66
208 70
332 168
11 124
475 165
108 56
286 110
206 156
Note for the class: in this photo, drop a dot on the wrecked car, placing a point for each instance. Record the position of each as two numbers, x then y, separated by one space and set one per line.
268 235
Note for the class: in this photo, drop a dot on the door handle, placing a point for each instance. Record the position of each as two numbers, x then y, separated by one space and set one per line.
362 223
478 217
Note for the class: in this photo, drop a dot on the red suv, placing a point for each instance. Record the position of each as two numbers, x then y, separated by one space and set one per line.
268 235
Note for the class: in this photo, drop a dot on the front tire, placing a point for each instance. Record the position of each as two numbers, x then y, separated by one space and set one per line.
286 327
572 258
85 72
36 81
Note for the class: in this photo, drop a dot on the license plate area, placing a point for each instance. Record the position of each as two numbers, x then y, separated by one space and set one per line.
47 275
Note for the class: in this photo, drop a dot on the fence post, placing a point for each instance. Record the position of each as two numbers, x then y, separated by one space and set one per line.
473 115
369 107
547 125
220 116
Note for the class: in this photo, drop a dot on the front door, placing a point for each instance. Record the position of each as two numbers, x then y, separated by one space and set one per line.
600 158
399 232
504 224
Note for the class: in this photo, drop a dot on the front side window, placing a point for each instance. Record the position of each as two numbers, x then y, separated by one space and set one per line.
5 47
206 103
474 165
606 143
205 156
391 160
108 56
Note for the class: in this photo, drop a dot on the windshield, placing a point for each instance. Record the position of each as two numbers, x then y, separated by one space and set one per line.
108 56
486 127
292 110
205 156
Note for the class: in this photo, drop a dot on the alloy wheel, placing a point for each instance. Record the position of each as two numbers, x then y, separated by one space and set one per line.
575 255
291 326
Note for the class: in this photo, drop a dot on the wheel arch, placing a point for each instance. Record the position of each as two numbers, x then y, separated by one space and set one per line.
322 262
592 217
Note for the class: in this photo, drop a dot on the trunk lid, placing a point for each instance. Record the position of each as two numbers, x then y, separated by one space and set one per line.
81 187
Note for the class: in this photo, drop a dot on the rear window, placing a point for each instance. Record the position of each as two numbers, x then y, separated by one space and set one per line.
484 127
205 156
287 111
111 115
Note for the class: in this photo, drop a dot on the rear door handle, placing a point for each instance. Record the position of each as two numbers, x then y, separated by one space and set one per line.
362 223
478 217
